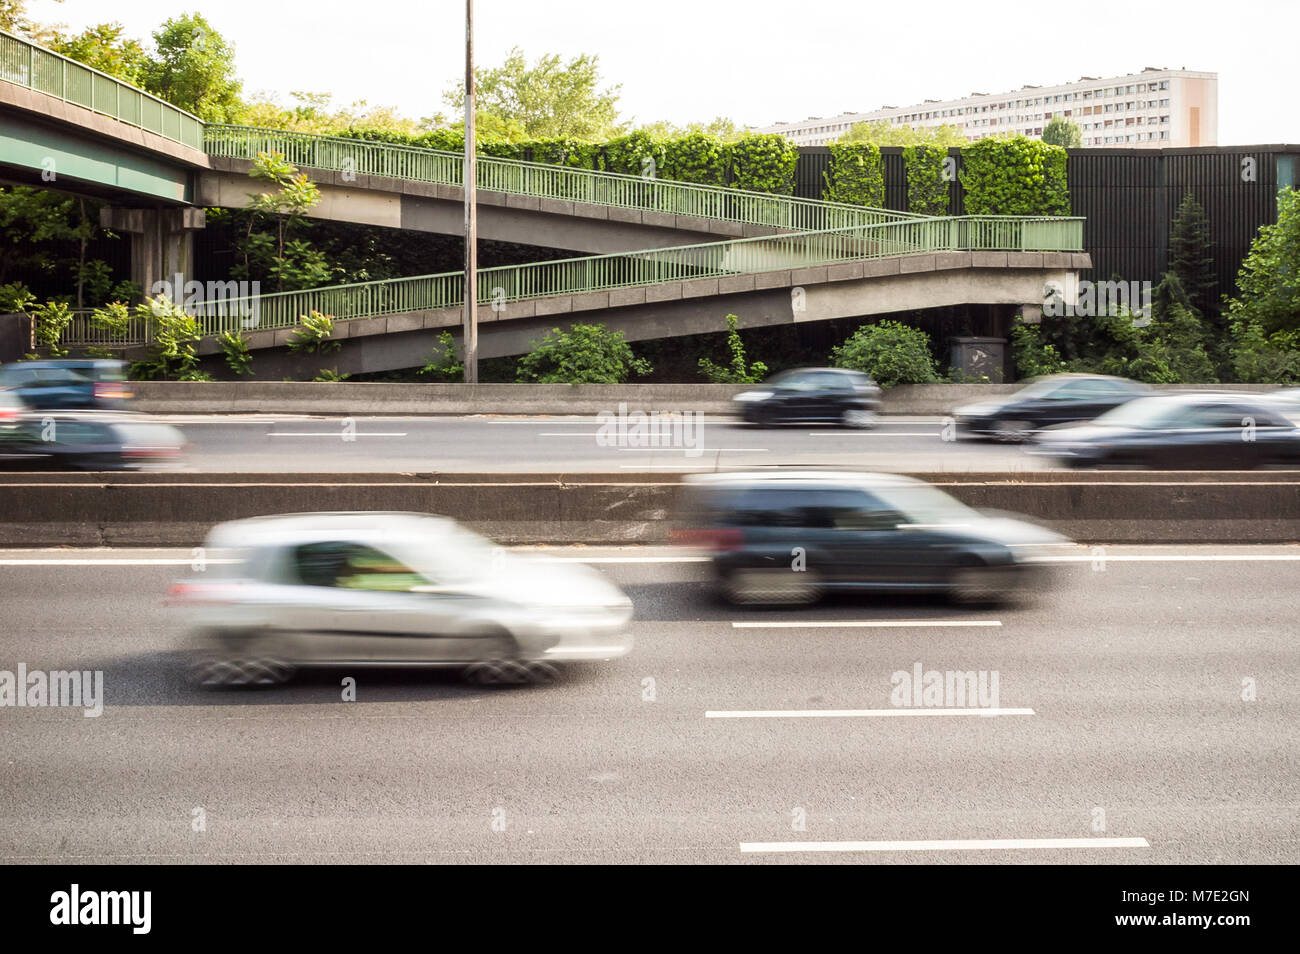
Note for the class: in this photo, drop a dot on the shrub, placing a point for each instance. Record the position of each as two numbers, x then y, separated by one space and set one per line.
331 374
735 372
172 350
696 157
927 189
856 175
891 352
50 321
1260 358
585 354
764 163
312 336
442 365
234 347
1015 175
14 298
115 318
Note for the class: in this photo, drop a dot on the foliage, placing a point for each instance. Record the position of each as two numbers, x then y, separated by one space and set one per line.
1269 279
720 128
884 133
636 154
234 348
1014 175
291 263
1031 355
890 351
764 163
927 183
443 364
49 322
115 318
856 175
314 113
194 68
175 333
102 47
696 157
331 374
584 354
1190 257
1260 358
313 335
736 371
550 98
1062 132
14 298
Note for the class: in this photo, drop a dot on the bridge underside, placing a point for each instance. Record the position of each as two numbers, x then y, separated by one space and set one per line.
858 289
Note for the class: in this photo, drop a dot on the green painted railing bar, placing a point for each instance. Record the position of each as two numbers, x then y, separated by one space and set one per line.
596 273
356 157
27 64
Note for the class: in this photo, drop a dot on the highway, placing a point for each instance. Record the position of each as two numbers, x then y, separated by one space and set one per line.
1125 729
555 444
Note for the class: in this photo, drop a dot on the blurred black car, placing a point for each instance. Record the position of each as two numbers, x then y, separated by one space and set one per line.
789 537
1058 399
1181 432
95 440
813 395
98 383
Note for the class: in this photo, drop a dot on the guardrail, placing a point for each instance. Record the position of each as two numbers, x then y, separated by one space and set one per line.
26 64
541 180
632 269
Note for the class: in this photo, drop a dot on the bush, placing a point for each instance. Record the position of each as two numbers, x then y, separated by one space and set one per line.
585 354
442 365
735 372
51 320
172 351
856 175
764 163
14 298
1015 175
312 337
1260 358
927 189
1031 355
696 157
891 352
234 346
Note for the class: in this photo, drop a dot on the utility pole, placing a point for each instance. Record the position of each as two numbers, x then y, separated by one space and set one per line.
471 209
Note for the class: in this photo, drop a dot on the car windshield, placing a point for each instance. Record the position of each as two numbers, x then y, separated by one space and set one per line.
921 503
1039 389
1145 413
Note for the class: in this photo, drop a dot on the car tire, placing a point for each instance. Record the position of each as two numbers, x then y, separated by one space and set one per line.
858 418
759 587
217 672
978 586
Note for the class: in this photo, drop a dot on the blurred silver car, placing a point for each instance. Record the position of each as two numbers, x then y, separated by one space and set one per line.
390 589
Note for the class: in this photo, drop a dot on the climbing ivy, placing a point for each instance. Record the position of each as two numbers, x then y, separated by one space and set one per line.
1015 175
764 162
927 186
856 175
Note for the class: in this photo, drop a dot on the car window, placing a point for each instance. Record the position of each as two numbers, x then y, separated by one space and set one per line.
353 566
1078 391
829 380
1210 415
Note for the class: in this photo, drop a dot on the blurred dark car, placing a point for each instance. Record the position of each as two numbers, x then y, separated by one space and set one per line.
789 537
96 440
812 395
1058 399
72 383
1185 431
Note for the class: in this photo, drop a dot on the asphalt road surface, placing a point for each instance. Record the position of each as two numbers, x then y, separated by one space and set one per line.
546 444
1124 730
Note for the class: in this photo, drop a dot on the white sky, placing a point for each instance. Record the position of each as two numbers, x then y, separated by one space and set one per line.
756 61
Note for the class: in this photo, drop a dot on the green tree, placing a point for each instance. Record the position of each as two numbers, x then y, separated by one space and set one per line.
291 262
585 354
890 351
443 364
737 370
194 68
549 99
884 133
1191 259
102 47
1060 131
1269 280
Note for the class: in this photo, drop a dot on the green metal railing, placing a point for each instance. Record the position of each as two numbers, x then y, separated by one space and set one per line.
596 273
541 180
27 64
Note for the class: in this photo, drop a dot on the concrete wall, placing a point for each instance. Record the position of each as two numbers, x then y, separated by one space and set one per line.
349 398
177 510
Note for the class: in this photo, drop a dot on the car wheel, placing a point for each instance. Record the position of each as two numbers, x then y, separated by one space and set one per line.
215 672
978 586
858 418
1012 431
770 586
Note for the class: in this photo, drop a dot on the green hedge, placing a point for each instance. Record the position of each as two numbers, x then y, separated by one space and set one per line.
764 162
1015 176
927 189
856 175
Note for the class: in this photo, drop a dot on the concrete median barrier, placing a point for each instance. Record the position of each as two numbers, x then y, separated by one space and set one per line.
178 509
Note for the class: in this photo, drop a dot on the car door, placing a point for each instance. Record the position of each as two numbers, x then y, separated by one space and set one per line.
1204 437
358 603
832 394
876 547
797 397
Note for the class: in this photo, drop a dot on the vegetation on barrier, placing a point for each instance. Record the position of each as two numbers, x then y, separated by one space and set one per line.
737 370
856 175
1014 175
927 179
891 352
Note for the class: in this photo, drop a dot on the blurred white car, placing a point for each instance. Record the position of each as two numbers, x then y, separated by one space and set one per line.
390 589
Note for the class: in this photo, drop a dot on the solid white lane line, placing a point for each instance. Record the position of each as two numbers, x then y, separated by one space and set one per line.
699 559
968 844
858 713
336 434
695 450
864 623
1168 558
874 434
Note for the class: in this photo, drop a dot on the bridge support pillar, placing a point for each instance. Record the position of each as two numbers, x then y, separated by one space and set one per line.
162 242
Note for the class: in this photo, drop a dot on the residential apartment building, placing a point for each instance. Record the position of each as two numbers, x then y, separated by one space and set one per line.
1152 109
